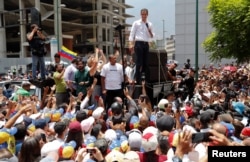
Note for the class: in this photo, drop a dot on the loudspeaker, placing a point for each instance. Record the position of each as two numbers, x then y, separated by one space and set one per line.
153 73
157 57
156 71
35 16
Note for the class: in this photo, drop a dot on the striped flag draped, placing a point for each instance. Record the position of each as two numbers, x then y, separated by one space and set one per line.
66 53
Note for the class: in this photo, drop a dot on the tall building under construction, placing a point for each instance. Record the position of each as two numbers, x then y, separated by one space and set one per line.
80 25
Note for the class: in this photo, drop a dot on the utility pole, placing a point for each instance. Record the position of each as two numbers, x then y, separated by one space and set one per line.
163 34
197 41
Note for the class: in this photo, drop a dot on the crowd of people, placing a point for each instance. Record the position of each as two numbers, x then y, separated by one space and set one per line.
88 115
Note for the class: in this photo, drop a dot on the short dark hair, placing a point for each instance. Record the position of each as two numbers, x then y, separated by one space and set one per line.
144 9
59 127
21 131
81 115
32 26
57 55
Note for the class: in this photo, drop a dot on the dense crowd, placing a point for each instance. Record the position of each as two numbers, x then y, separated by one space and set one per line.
90 115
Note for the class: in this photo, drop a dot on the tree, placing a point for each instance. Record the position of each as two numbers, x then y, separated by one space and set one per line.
231 36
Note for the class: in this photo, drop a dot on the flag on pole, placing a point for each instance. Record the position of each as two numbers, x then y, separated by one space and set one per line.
66 53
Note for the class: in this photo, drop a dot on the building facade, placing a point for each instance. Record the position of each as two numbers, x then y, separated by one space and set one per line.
80 25
170 47
185 21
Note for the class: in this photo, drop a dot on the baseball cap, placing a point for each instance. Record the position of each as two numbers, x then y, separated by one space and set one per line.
151 129
115 145
114 155
149 142
246 131
25 83
97 113
87 124
131 156
40 123
110 135
67 150
134 139
75 126
90 141
162 103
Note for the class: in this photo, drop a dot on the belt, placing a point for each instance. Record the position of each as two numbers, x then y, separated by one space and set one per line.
141 42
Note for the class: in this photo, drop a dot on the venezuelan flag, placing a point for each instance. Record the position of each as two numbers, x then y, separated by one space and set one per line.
66 53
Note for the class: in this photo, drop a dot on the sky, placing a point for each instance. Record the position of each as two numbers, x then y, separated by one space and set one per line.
159 10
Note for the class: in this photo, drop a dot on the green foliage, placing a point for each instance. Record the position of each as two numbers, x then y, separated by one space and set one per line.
231 36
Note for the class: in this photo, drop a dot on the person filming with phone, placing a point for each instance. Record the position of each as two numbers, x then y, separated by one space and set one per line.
36 40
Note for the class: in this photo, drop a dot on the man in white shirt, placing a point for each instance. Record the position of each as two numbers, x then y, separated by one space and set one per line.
111 80
139 38
69 76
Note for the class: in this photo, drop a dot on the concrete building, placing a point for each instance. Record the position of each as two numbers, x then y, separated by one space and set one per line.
80 25
170 47
185 15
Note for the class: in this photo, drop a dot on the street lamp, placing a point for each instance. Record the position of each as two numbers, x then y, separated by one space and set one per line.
196 40
163 33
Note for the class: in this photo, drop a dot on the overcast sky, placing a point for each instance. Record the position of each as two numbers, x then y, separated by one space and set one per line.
159 10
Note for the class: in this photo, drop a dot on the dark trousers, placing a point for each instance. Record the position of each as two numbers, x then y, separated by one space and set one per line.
142 51
110 95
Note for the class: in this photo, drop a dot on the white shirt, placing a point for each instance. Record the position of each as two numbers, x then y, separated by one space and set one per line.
113 76
69 73
130 72
139 31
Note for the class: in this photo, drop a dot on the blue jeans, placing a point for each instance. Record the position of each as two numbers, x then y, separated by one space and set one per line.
35 61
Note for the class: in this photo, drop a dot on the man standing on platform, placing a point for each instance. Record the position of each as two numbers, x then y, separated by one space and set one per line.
139 38
111 80
36 41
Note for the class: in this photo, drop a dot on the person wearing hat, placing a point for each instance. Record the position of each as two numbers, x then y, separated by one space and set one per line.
75 133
